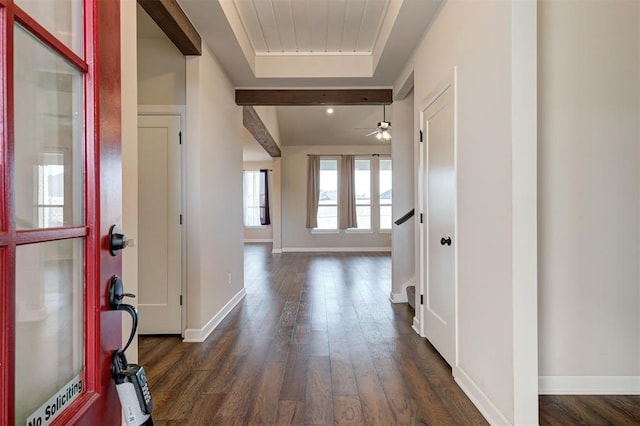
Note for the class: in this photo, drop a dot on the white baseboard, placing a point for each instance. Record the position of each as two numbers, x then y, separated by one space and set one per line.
416 326
490 412
402 296
276 251
200 334
334 249
258 240
589 385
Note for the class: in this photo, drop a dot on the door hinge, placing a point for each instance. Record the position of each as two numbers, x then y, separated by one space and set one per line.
180 300
180 137
420 135
422 299
421 218
180 218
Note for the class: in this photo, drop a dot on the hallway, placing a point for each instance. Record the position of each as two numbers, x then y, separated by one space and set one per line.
315 341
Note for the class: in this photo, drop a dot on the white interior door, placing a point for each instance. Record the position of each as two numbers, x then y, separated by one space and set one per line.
439 196
159 228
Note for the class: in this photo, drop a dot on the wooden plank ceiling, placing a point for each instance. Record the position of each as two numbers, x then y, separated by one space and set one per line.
312 26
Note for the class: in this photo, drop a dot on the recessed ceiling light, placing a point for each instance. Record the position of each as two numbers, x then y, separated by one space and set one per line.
329 111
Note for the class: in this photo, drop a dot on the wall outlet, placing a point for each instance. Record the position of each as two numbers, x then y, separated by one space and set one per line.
229 277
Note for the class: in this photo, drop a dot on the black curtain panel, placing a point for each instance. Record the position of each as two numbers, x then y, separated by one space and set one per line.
264 198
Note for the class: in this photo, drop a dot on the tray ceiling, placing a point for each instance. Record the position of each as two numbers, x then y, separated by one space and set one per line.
311 43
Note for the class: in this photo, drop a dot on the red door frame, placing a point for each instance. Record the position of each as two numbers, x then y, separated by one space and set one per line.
99 404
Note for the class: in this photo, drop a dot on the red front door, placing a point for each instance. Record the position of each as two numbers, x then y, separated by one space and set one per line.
60 190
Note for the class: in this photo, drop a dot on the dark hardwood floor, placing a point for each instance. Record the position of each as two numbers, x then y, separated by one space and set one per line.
316 341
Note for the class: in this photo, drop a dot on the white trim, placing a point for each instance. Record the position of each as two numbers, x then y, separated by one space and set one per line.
162 110
524 208
258 240
402 296
482 402
324 231
276 251
589 385
200 334
416 326
358 230
334 249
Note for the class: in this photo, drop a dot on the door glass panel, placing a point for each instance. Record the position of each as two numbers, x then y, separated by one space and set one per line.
62 18
49 327
49 138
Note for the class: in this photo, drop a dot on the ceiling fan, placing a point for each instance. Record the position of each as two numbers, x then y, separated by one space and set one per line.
383 129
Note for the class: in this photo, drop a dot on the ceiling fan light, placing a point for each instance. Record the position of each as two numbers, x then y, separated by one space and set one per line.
386 135
379 136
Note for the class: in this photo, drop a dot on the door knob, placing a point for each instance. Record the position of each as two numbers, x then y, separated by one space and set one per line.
116 293
117 240
446 241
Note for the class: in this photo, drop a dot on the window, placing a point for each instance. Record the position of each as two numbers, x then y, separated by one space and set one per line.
252 198
386 192
328 198
363 192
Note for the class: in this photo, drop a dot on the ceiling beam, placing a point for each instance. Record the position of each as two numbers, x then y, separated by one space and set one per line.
315 97
256 127
176 25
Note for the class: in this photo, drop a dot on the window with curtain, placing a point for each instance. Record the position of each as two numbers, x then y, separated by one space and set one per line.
328 196
362 176
252 189
386 191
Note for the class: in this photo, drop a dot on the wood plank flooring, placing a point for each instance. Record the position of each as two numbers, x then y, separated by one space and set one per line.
316 341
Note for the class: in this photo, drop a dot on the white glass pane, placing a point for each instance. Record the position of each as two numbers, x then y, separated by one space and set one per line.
364 217
327 217
328 183
49 141
252 198
385 181
385 217
62 18
362 175
49 321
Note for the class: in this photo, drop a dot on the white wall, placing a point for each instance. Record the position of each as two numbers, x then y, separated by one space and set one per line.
589 196
477 38
295 236
161 71
214 195
264 233
403 238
